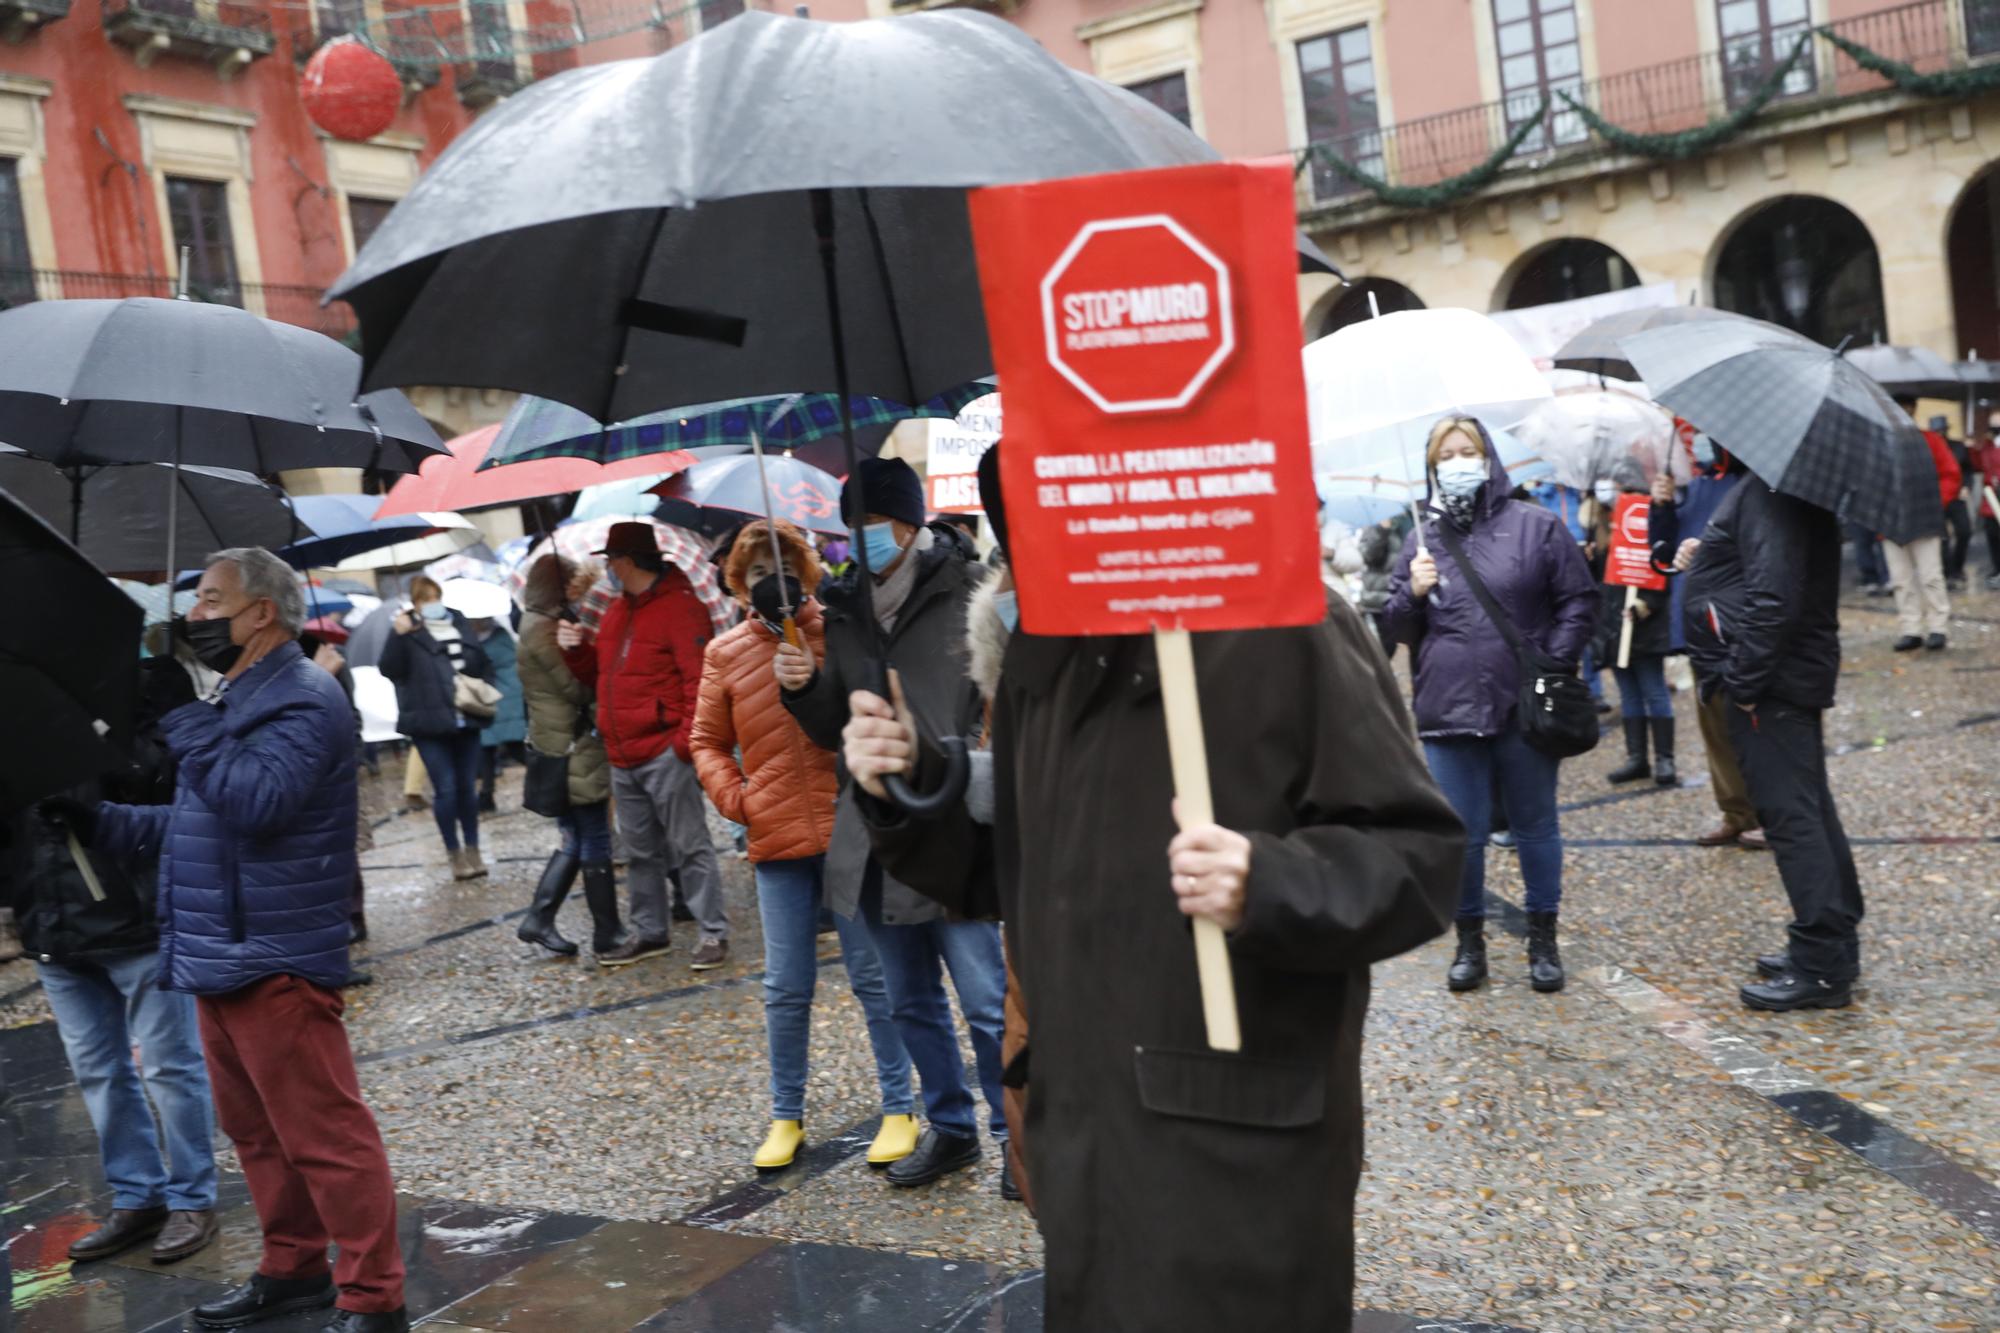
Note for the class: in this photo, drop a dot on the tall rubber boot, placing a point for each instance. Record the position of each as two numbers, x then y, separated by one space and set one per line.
600 891
539 926
1664 772
1635 765
1545 964
1468 967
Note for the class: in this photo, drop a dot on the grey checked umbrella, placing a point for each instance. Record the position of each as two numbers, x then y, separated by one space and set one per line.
1908 372
1596 347
1799 415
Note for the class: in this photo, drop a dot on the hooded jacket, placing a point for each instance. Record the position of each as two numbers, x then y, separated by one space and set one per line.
561 719
1467 680
927 647
645 665
256 852
784 787
1763 613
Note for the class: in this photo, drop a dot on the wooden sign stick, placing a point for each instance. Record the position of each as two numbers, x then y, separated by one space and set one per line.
1189 752
1625 630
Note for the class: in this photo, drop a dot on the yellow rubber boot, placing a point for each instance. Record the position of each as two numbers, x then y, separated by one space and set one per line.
896 1140
781 1145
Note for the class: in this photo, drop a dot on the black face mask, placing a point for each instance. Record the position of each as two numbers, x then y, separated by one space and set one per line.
211 644
771 594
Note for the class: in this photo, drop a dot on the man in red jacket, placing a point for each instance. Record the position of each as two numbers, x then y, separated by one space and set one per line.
1916 568
645 664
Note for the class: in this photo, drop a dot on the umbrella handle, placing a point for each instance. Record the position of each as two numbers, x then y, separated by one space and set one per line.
792 631
957 772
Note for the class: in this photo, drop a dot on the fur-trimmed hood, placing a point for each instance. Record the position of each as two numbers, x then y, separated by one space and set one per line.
986 634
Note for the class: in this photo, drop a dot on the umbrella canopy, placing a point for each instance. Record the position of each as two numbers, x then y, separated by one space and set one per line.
144 380
454 481
117 516
151 598
580 541
1374 387
1908 372
340 527
67 698
566 199
440 536
1583 437
477 599
539 428
800 493
636 498
1597 348
327 629
1800 416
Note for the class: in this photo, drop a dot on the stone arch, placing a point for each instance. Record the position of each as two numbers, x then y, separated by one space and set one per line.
1348 305
1972 263
1565 269
1805 262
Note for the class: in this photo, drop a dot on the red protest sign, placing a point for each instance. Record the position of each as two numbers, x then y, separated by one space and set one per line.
1630 561
1145 327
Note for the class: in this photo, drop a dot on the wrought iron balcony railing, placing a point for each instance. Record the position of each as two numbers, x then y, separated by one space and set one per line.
1931 36
19 19
289 304
227 33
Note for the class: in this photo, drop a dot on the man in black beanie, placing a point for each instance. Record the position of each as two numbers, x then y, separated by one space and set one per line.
922 577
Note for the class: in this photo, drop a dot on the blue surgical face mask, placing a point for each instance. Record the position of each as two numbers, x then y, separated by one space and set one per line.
1007 605
1461 476
611 578
879 540
1704 451
434 611
1606 492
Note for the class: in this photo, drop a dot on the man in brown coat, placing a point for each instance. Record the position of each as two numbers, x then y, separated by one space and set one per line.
1178 1187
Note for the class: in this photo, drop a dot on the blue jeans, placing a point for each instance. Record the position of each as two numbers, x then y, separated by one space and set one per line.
911 958
586 832
788 900
1593 674
102 1008
1465 768
453 764
1642 688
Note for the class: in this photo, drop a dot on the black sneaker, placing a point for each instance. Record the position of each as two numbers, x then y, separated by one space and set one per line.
264 1298
938 1154
1909 643
1792 991
632 950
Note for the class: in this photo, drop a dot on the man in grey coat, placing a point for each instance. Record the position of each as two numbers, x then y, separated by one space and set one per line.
923 577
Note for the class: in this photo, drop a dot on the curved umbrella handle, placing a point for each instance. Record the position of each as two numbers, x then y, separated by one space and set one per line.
957 772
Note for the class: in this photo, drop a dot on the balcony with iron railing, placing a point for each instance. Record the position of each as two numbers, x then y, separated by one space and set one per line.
313 25
1931 36
228 34
288 304
19 19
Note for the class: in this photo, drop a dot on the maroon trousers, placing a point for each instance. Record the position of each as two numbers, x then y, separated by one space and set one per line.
287 1095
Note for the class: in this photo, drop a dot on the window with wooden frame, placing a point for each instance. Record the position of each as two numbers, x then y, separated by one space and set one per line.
1337 91
17 267
1757 35
198 211
1169 93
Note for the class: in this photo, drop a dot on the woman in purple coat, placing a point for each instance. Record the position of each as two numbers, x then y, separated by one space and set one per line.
1467 679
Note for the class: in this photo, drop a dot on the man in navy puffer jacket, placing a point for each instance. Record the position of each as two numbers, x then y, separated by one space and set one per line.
257 862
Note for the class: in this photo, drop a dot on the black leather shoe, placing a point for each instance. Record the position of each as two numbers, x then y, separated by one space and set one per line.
1545 964
1773 964
1468 965
122 1230
1909 643
937 1154
1008 1189
186 1231
353 1321
264 1298
1935 643
1792 991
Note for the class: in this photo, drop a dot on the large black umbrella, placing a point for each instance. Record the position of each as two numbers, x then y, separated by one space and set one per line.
776 207
1596 349
69 654
118 515
1799 415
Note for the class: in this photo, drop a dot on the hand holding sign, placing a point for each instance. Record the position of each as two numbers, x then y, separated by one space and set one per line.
1630 564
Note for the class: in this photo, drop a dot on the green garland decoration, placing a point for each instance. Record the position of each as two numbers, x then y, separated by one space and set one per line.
1683 144
1439 193
1957 83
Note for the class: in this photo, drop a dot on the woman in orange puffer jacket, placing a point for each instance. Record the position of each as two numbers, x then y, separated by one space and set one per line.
762 772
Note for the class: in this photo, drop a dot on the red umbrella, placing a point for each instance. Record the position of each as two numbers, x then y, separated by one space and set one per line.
455 482
327 628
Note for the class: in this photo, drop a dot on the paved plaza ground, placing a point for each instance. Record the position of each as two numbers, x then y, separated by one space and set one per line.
1638 1152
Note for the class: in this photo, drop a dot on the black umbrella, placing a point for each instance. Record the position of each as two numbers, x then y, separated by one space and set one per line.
1595 348
677 224
117 516
69 653
1908 372
1799 415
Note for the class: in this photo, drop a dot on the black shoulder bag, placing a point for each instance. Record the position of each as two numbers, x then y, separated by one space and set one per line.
545 790
1558 716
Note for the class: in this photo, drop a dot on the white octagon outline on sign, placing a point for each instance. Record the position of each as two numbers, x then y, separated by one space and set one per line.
1227 314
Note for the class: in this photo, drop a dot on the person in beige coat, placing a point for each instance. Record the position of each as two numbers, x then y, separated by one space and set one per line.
562 722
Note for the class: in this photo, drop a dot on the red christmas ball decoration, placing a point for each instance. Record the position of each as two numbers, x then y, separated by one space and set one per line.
350 90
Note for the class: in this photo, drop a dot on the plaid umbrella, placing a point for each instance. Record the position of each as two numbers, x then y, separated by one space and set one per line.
1908 372
1800 415
539 428
1597 348
799 492
581 541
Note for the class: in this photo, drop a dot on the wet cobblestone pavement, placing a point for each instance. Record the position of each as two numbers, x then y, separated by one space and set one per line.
1638 1152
